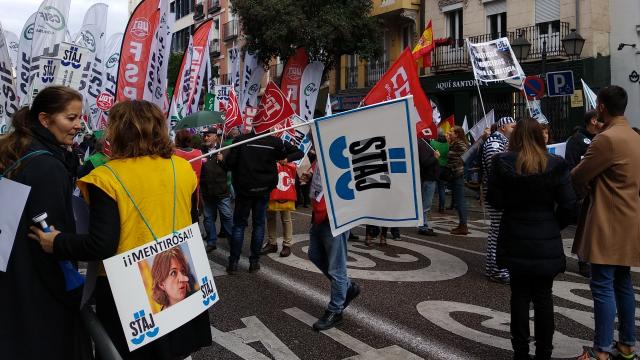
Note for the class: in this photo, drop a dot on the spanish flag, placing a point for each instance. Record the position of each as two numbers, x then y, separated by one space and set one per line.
447 124
425 46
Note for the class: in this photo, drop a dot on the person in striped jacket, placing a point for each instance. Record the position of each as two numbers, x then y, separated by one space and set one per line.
496 143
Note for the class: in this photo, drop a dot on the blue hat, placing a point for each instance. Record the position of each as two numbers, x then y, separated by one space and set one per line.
505 120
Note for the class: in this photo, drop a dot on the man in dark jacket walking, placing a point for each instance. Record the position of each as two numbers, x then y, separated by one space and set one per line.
255 174
429 172
216 196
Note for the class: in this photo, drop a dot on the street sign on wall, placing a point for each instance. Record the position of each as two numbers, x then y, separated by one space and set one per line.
534 87
560 83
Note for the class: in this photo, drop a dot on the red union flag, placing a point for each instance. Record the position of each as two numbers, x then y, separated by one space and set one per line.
292 77
272 110
232 113
402 80
134 56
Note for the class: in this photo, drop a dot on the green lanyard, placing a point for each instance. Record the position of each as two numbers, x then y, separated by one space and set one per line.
136 205
20 160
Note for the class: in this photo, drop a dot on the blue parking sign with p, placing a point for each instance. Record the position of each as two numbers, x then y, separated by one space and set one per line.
560 83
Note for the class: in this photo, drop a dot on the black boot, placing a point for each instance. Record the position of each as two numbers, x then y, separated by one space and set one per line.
327 321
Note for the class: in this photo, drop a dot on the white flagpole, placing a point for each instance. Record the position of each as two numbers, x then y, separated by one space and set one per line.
251 139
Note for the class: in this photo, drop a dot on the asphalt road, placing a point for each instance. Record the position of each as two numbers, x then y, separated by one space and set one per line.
422 297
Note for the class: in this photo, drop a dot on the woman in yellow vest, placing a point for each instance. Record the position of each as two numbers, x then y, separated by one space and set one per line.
143 192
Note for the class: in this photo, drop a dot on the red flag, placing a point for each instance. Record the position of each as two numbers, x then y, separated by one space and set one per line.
292 77
272 110
426 132
134 56
232 114
402 80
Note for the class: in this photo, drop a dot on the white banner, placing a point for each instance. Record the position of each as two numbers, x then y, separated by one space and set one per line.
494 61
14 43
23 64
156 85
49 31
92 36
309 88
248 71
221 93
253 88
559 149
234 76
8 93
368 158
107 96
152 298
536 112
486 122
590 96
180 99
70 66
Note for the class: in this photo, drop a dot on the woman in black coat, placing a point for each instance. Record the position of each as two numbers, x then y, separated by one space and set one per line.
534 190
39 315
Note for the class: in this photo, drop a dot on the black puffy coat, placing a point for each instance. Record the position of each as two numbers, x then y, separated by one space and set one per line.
535 209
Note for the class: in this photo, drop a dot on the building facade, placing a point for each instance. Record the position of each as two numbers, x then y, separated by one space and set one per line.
543 24
625 52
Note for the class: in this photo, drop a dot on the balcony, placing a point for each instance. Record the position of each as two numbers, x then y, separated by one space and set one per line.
374 72
214 48
198 12
545 36
214 6
230 30
453 56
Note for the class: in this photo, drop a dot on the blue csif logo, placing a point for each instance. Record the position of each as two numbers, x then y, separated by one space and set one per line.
368 165
142 326
209 294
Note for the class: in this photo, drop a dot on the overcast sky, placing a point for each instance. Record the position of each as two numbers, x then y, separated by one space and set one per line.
14 13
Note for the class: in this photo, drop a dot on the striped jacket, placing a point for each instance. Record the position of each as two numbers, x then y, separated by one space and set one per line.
496 143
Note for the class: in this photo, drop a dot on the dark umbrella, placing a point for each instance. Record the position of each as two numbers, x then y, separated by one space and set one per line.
200 119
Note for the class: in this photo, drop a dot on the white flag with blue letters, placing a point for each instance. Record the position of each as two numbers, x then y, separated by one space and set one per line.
368 158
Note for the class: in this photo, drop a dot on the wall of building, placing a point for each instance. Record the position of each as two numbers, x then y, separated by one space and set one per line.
626 29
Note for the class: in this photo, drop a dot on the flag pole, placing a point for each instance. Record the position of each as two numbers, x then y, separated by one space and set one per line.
251 139
484 112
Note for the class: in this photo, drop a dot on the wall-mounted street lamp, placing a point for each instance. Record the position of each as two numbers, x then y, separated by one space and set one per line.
622 45
573 44
521 47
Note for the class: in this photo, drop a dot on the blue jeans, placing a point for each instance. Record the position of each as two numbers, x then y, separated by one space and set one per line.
329 254
611 289
211 209
428 189
458 197
257 206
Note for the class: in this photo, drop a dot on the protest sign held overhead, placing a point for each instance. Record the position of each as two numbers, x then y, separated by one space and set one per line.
73 62
484 123
494 61
222 93
402 80
274 108
368 158
147 310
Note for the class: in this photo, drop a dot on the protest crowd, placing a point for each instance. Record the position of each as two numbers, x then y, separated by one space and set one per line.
144 179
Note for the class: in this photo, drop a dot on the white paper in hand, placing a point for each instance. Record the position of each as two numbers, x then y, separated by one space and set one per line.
14 197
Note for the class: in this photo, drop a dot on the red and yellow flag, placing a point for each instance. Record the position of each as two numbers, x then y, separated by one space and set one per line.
425 46
447 124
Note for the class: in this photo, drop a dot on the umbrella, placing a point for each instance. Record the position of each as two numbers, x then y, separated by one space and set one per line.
200 119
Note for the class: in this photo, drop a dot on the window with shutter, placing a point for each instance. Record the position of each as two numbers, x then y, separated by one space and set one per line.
547 11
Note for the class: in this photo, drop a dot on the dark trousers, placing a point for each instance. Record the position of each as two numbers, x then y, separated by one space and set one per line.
524 290
257 207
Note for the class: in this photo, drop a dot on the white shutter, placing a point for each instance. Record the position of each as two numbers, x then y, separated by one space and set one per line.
495 7
547 10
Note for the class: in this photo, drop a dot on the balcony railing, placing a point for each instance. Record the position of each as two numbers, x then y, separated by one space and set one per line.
230 30
545 36
450 57
352 77
198 12
375 70
214 6
214 48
